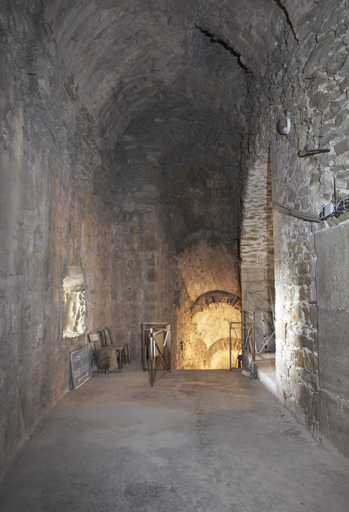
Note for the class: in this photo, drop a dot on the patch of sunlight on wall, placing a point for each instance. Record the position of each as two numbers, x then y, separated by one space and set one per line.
220 360
212 332
213 322
74 307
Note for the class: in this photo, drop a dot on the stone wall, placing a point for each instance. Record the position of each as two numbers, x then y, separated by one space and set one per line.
122 176
82 246
142 273
308 76
332 275
55 226
257 250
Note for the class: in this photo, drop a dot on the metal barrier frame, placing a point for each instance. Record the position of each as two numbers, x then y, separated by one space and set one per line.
247 347
150 352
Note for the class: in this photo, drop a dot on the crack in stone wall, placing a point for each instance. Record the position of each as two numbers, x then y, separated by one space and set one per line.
124 163
287 16
215 39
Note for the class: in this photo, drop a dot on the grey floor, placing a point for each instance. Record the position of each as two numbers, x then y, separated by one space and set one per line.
197 441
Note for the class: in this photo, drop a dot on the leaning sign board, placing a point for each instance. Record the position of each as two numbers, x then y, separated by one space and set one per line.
80 362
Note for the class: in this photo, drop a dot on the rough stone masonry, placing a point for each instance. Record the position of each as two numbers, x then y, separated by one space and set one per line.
139 152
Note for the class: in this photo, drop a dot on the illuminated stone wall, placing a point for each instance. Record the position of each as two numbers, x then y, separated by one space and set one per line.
208 299
74 303
312 82
257 250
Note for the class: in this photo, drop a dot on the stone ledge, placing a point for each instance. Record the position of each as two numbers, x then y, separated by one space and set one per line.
264 369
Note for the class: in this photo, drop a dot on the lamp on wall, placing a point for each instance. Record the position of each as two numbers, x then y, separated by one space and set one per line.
284 125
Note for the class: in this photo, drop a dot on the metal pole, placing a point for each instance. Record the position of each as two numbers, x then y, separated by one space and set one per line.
169 346
230 346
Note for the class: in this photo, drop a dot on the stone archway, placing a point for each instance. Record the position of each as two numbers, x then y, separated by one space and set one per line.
208 299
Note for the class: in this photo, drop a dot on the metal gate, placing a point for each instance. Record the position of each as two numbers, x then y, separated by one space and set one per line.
156 348
242 336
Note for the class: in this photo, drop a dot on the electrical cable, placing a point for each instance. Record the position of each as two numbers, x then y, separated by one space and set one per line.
309 217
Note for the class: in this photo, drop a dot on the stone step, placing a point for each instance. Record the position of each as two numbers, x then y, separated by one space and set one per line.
264 369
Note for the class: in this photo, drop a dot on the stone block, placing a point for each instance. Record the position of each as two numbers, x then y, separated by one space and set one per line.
315 180
307 378
299 358
311 362
145 207
150 218
316 406
305 341
340 118
295 375
332 17
304 191
334 421
337 104
283 368
329 137
314 315
288 354
303 269
280 330
314 380
318 100
278 349
296 316
334 351
288 388
303 133
341 30
306 400
343 218
321 54
129 204
333 267
342 147
336 63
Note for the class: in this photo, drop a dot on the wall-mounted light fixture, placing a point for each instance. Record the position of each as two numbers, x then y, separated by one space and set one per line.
284 125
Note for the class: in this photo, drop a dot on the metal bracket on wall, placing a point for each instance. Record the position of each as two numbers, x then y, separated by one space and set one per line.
311 152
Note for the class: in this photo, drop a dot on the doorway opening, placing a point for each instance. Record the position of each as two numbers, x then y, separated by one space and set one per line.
208 299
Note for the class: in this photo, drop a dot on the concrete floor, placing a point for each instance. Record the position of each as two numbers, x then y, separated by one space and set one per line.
197 441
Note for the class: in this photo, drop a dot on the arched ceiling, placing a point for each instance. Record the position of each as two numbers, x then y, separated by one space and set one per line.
125 53
167 80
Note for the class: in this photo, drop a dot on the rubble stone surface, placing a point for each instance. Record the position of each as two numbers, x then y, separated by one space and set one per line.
139 152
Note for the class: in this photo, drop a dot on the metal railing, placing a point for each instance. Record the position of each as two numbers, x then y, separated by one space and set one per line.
156 348
243 333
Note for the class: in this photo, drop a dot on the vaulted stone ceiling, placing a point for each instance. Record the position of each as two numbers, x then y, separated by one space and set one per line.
124 54
167 81
127 130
